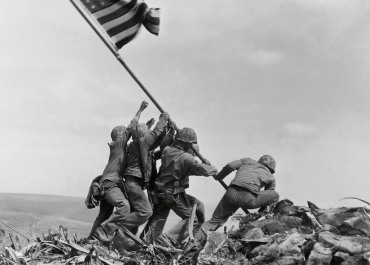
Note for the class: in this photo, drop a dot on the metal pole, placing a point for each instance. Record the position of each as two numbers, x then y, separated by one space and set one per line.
106 42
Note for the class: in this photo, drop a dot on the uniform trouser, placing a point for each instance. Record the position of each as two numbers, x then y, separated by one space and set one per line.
236 197
154 227
107 218
179 232
141 209
131 212
105 212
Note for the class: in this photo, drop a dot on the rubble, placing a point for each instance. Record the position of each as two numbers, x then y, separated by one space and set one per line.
291 235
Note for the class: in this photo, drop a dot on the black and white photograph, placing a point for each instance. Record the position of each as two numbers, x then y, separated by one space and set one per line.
183 132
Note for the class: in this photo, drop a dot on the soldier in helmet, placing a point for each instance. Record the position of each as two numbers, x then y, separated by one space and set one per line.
139 170
244 191
177 166
110 181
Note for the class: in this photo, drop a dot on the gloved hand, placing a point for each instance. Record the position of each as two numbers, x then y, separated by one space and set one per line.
171 125
164 115
150 123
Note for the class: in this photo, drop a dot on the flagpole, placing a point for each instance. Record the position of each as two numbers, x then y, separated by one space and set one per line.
107 43
115 52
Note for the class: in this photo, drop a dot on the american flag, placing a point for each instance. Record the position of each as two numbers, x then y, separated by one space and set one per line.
121 19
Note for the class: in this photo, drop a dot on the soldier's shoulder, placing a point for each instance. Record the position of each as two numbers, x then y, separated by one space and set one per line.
248 160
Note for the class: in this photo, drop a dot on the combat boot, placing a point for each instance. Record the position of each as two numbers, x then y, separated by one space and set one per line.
102 235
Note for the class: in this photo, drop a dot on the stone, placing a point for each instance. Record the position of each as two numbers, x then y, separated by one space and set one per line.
350 245
319 256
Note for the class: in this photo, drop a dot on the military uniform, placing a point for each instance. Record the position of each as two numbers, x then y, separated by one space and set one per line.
176 235
138 173
110 180
244 191
177 166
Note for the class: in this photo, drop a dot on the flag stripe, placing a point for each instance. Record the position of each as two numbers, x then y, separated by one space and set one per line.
111 9
123 10
120 39
152 20
123 42
120 20
137 18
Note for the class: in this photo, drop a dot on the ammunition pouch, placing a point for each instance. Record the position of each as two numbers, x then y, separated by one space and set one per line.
169 191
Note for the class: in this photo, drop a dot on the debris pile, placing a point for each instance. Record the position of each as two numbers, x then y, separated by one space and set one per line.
289 235
59 248
293 235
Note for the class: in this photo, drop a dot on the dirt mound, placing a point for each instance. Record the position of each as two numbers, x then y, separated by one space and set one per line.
290 235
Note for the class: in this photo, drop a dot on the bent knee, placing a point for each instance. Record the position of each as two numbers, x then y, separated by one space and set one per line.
145 214
275 195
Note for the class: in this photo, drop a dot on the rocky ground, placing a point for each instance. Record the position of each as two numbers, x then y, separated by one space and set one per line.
290 235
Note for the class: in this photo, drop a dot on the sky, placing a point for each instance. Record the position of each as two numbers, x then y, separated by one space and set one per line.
287 78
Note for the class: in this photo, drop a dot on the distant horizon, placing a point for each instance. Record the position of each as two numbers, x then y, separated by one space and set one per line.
41 194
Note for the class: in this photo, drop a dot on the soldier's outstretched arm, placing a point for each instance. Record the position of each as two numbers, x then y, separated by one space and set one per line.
151 138
230 167
198 169
143 106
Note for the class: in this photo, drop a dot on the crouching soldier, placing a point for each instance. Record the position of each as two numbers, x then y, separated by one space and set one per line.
244 191
177 166
112 195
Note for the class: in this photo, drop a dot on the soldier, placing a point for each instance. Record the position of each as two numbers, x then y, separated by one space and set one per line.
110 182
244 191
139 170
177 166
179 232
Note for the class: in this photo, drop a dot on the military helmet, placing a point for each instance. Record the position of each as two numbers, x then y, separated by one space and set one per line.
187 135
117 132
269 162
139 131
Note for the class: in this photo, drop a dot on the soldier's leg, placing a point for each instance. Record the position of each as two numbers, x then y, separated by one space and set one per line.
105 211
225 208
178 233
140 205
156 223
116 198
263 199
200 212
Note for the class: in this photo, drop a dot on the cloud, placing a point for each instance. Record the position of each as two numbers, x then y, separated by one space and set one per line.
299 129
263 58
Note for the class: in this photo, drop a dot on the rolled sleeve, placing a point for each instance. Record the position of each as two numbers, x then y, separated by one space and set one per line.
150 140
